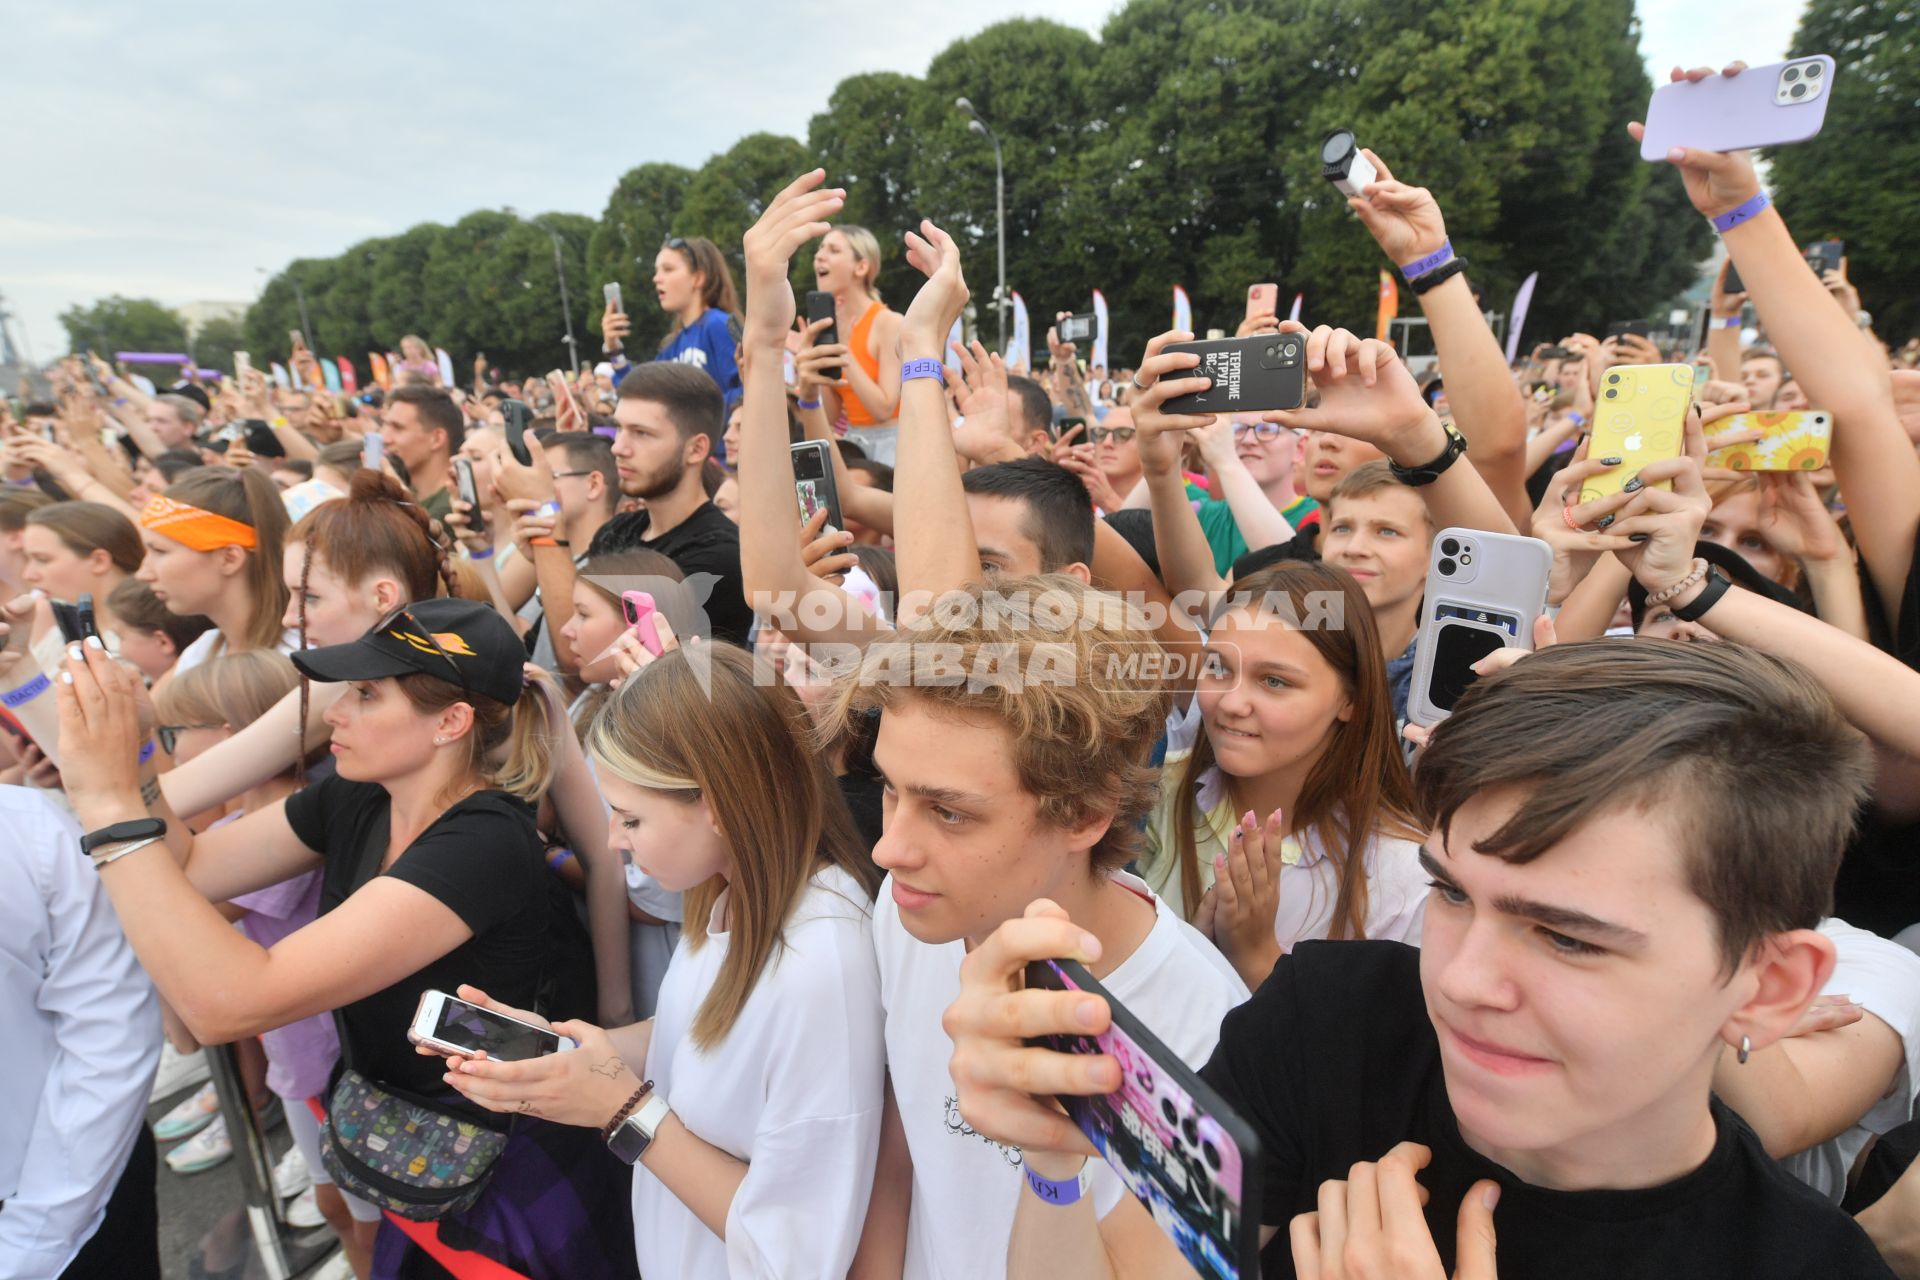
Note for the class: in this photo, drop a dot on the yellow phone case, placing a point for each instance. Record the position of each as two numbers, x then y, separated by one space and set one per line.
1791 440
1640 418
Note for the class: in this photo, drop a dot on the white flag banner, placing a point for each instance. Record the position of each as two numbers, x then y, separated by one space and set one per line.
1182 310
1100 326
1294 315
446 366
956 338
1521 301
1018 354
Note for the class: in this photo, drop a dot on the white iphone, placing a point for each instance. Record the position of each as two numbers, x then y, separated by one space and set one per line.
1484 592
448 1024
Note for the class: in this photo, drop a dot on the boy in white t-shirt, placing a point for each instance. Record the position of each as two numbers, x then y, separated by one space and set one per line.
1000 792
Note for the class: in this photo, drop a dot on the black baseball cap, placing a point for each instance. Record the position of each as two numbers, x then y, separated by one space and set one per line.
458 641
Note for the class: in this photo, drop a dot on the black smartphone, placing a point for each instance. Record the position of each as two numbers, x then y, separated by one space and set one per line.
1638 328
1824 255
1250 375
1734 283
518 418
1082 328
820 307
1065 425
813 484
1557 353
75 620
463 484
93 378
1177 1145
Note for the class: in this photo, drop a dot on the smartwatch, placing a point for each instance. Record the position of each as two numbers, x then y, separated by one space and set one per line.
632 1136
121 832
1417 476
1717 585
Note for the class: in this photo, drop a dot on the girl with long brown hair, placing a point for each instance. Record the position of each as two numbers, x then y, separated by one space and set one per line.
1286 812
214 539
694 285
767 1043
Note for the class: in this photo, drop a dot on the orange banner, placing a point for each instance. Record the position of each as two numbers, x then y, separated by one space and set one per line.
378 363
1389 304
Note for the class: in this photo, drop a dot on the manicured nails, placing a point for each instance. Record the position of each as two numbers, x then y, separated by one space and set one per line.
1638 537
1604 521
1633 486
66 677
74 654
94 642
1610 462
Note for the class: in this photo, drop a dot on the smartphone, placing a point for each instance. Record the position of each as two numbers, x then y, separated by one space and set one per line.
1824 255
639 610
1734 283
1639 418
1768 106
75 620
813 482
1557 353
1790 440
1250 375
463 483
242 367
518 417
1080 328
1065 425
1263 300
1484 592
612 292
93 376
373 450
452 1025
820 307
1638 328
1183 1152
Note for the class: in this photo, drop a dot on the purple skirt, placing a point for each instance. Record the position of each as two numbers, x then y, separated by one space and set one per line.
559 1207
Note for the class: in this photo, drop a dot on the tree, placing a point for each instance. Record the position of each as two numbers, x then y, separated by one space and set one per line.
214 345
123 324
731 191
639 216
1855 181
870 143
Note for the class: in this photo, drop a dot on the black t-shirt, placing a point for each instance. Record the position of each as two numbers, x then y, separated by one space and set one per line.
1879 883
483 859
705 542
1302 546
1334 1061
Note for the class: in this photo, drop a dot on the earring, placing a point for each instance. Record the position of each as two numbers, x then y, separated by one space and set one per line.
1746 1050
441 742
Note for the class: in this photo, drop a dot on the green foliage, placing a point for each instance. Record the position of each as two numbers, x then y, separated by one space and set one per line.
214 345
123 324
1180 146
1855 182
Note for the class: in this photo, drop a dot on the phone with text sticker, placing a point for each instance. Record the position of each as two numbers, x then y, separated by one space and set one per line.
448 1024
1484 592
1768 106
1185 1154
1790 440
1263 300
813 483
820 307
1250 375
638 608
1640 418
1081 328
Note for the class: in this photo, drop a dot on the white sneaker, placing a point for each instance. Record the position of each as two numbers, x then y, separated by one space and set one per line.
335 1268
193 1114
291 1176
177 1071
203 1151
303 1211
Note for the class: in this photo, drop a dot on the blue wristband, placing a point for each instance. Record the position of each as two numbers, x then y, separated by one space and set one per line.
27 692
1732 218
481 555
1420 266
1064 1192
146 752
806 404
923 368
558 857
1731 322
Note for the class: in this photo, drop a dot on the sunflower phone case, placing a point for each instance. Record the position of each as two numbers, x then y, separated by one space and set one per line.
1791 440
1640 418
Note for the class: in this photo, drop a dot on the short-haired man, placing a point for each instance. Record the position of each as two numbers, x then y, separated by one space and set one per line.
670 417
575 472
1623 893
1030 516
1029 413
1380 531
1761 373
424 428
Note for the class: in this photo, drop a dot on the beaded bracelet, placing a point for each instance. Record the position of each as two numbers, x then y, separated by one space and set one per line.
1667 593
620 1116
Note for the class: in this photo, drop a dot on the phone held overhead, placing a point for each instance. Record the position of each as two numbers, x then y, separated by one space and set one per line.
1768 106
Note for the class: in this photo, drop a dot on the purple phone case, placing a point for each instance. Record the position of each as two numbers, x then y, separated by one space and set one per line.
1735 113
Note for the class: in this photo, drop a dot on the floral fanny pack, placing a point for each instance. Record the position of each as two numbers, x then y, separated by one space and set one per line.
419 1162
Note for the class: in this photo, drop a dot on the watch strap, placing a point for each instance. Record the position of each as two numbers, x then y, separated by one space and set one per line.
1424 475
1744 212
631 1137
923 368
1718 584
120 832
1439 275
1420 266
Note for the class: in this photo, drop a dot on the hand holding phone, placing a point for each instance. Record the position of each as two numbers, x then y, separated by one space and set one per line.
449 1025
813 482
820 307
639 610
518 418
611 290
373 450
1262 300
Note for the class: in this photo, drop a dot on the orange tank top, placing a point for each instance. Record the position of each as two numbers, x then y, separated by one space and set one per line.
857 415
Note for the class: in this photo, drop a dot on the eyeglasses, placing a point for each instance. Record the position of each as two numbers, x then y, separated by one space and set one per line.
1100 434
459 672
673 242
562 475
169 734
1261 431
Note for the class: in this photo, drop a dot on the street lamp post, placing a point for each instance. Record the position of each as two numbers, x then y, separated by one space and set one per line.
300 297
566 305
979 126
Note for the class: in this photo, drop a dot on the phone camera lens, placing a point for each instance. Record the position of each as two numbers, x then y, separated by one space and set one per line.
1793 73
1338 145
1798 90
1272 352
1288 350
1613 377
1450 548
1812 69
1611 393
1173 1117
1447 567
1466 557
1211 1154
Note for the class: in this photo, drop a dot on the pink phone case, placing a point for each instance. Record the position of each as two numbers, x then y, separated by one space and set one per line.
1753 109
640 609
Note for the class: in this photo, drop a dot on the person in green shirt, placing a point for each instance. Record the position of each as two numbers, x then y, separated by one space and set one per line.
1270 453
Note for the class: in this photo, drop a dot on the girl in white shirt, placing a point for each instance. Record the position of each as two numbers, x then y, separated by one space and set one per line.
768 1040
1286 812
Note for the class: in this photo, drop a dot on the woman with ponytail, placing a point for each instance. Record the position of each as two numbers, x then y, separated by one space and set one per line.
433 875
214 539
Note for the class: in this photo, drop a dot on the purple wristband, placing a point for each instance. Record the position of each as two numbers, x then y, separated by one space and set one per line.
1420 266
146 752
806 404
486 554
1064 1192
1730 322
27 692
1732 218
923 368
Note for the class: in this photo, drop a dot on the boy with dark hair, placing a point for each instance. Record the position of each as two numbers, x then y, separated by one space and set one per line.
423 428
1030 516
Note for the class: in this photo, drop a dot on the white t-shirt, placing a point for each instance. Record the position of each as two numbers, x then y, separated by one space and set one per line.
211 644
795 1089
966 1188
1884 977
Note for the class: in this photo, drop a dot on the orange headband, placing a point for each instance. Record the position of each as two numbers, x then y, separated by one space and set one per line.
192 527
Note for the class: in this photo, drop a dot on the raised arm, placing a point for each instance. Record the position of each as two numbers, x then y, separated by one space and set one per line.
254 753
1723 327
1406 223
1186 560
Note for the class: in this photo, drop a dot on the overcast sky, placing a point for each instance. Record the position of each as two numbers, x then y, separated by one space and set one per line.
172 152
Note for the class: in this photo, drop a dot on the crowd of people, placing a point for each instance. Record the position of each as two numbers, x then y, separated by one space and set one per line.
549 696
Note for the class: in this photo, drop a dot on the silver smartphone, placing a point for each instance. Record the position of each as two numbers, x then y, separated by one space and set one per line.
612 292
1484 593
451 1025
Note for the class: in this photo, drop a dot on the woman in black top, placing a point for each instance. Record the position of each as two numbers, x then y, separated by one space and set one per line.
433 876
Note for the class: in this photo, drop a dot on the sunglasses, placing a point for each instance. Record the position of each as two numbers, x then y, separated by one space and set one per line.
459 673
169 734
1100 434
1261 431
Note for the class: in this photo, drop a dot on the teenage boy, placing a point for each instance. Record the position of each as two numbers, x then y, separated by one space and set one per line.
1380 531
670 418
1622 891
573 475
424 428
